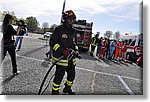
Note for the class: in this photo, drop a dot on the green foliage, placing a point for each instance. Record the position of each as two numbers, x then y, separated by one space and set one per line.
108 34
117 35
52 28
2 14
32 23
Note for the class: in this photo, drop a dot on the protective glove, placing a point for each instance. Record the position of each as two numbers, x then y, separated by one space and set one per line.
66 53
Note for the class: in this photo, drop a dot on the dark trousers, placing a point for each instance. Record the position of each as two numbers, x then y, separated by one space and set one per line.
60 72
92 50
12 53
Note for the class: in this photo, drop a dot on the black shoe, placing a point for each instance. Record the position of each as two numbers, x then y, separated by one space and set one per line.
55 92
68 91
91 54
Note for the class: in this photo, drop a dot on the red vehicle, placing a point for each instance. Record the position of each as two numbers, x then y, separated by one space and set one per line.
84 34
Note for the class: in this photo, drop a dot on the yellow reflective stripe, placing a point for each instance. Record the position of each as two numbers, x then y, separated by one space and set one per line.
56 89
70 83
74 61
56 85
76 47
61 62
93 41
93 44
56 47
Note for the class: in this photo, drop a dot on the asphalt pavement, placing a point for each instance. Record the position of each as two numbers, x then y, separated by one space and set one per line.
93 76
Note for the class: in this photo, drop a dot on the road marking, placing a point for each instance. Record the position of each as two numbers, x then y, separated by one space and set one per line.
93 82
1 79
108 74
30 58
125 85
89 70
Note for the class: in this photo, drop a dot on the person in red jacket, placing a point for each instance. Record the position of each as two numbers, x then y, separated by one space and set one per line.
103 48
118 50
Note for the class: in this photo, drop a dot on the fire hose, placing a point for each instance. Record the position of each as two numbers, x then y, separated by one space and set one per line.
70 56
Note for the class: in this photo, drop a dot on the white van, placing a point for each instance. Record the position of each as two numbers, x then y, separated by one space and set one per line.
135 48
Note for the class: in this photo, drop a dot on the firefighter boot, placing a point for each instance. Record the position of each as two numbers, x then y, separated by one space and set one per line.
91 53
55 89
68 90
55 92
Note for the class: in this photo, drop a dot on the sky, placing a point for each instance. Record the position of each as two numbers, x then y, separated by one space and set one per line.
113 15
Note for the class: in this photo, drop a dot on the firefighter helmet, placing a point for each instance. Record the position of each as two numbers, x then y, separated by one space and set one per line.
69 14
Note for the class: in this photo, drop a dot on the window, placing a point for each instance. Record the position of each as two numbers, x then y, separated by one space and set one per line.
140 42
132 43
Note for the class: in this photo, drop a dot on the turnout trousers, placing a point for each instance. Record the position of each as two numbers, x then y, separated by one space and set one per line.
60 72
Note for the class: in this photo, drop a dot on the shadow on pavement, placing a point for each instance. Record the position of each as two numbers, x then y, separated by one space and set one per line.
8 79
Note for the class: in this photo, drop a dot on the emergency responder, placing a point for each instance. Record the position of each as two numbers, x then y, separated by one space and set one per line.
63 39
99 46
112 48
107 49
123 50
94 42
103 48
118 50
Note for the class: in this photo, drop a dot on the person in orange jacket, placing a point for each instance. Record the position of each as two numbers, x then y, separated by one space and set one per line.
118 50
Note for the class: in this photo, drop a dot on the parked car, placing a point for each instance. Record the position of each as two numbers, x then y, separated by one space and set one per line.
47 34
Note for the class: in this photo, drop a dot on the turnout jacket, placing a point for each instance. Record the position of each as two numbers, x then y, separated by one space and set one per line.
94 41
63 37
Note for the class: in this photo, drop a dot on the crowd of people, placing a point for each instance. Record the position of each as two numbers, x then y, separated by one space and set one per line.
109 48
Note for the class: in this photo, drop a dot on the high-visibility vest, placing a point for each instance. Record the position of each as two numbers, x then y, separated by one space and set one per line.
63 62
93 42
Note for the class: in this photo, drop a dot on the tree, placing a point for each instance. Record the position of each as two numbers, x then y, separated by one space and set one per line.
8 12
117 35
32 23
108 34
45 25
52 28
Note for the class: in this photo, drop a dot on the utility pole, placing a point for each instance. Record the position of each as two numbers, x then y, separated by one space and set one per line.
63 11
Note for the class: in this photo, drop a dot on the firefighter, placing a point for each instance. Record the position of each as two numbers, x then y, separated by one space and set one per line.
63 39
118 50
94 42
